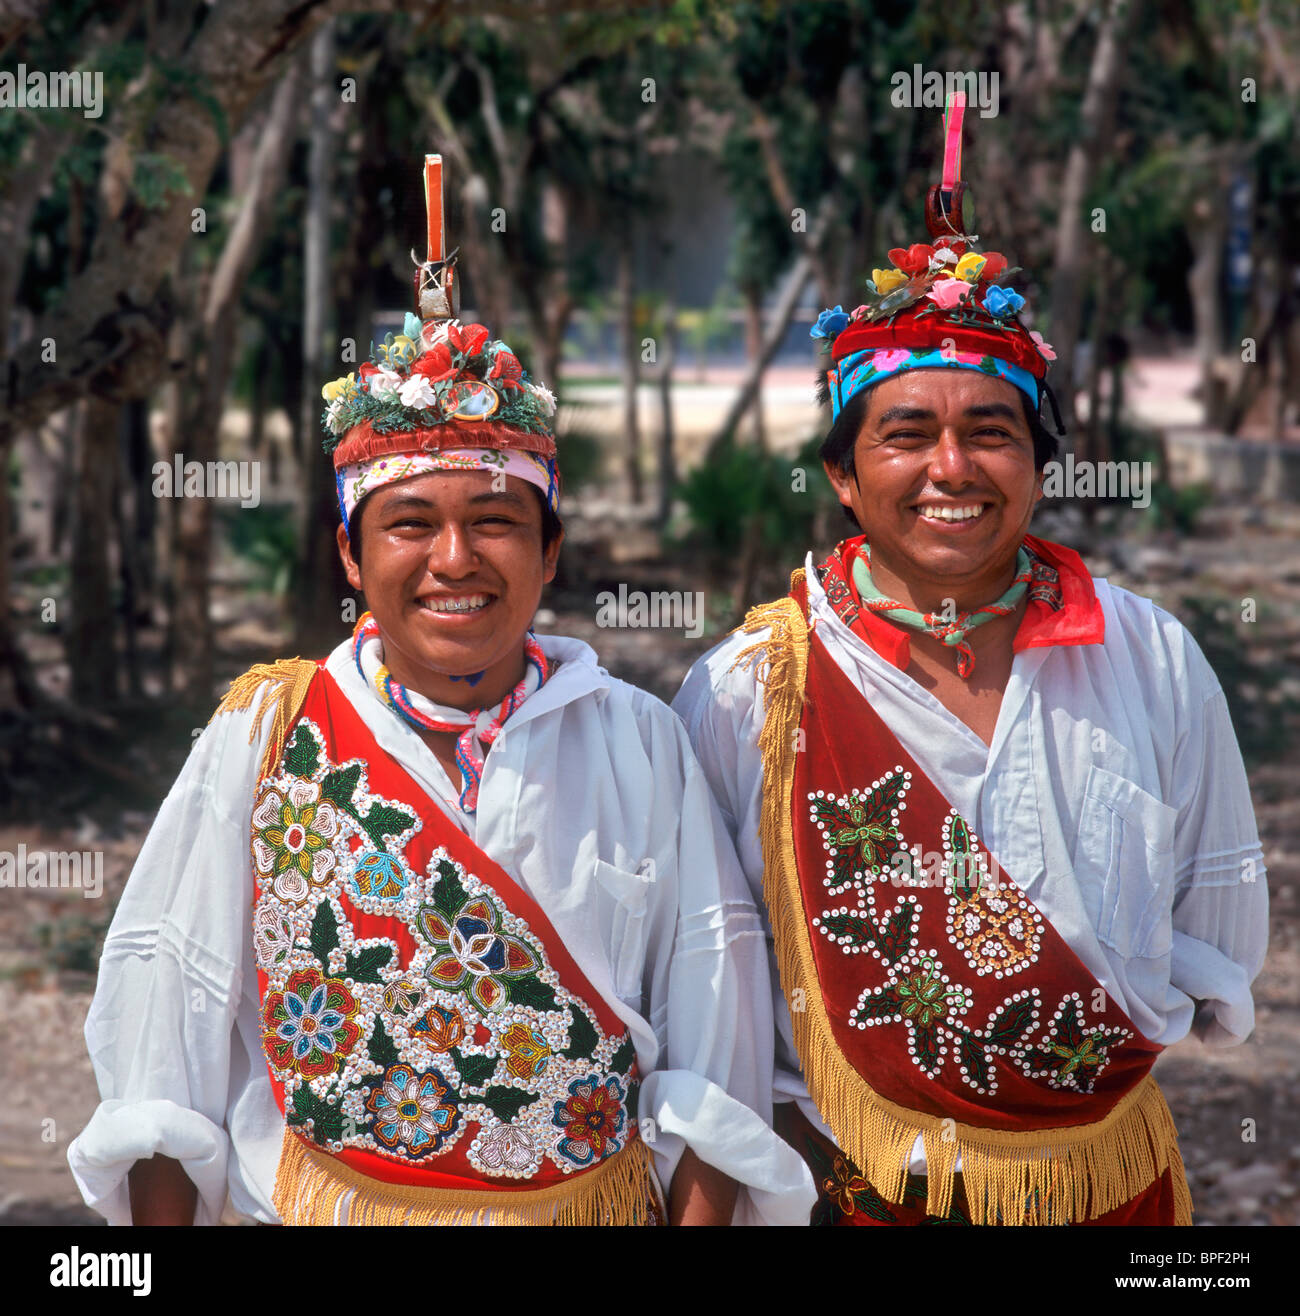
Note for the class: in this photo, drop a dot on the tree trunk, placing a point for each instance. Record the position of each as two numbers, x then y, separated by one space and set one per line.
667 365
1095 118
631 362
754 350
92 630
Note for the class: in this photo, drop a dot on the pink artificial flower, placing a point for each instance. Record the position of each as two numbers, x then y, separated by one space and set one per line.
948 292
890 358
1045 349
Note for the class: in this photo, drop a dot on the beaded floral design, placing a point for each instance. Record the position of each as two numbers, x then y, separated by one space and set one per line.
455 1033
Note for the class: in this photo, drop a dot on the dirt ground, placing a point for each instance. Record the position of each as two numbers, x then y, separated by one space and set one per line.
1239 1123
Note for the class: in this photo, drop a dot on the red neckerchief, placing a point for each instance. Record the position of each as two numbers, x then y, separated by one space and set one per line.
1062 606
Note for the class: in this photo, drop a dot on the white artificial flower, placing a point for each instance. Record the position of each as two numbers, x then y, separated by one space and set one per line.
332 416
545 397
384 384
417 392
943 256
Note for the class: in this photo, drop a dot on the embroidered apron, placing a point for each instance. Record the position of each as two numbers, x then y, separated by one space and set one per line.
435 1051
929 996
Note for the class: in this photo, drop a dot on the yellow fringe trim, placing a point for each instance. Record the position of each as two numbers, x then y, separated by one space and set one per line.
1050 1176
309 1187
290 679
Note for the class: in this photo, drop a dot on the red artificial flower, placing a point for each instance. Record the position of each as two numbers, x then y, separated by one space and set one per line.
467 338
994 264
914 260
435 365
507 370
366 369
955 245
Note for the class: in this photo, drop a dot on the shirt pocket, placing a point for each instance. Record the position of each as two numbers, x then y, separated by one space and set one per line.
1124 862
627 894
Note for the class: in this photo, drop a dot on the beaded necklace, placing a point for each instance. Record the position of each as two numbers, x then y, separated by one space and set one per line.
950 632
478 724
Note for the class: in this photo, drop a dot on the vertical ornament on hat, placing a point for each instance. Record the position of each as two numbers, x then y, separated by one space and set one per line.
437 293
949 209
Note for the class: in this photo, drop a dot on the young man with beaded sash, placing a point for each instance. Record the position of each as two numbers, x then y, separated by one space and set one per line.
998 887
473 942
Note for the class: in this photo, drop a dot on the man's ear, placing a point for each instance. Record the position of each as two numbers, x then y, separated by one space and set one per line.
841 483
551 558
350 568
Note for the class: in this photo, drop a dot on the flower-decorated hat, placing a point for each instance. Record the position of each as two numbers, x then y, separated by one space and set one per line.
939 304
439 396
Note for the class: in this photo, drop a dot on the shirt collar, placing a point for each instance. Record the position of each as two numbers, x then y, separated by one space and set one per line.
1075 617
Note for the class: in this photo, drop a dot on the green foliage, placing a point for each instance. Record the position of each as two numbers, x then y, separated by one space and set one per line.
722 498
72 944
267 539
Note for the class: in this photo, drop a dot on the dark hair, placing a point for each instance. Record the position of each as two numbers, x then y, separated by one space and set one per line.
551 524
838 446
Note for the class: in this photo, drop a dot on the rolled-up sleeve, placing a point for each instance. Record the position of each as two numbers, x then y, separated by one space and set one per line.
161 1026
1220 916
713 1010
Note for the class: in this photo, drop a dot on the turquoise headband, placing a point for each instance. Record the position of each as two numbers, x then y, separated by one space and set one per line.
863 369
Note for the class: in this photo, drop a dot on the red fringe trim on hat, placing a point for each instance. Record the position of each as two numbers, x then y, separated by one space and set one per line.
363 443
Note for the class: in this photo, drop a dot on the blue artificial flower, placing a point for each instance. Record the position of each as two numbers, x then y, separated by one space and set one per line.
830 323
1003 301
411 326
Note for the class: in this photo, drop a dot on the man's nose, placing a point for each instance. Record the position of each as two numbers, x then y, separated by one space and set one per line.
951 462
452 552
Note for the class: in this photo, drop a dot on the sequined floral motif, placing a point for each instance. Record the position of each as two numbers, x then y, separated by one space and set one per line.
509 1150
309 1026
593 1118
526 1049
378 874
1070 1055
440 1028
410 1110
860 829
272 937
473 952
291 839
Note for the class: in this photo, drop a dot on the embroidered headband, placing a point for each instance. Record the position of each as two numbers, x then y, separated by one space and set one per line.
940 304
438 387
355 481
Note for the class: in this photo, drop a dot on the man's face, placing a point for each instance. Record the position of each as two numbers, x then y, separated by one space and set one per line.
450 538
942 441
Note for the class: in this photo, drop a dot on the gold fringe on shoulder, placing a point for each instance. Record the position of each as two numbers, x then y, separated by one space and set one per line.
1050 1176
310 1188
290 679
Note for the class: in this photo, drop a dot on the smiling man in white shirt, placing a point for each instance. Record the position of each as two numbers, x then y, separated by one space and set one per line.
445 928
995 807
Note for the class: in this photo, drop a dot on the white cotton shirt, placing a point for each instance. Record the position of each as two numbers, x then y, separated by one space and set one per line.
593 802
1113 793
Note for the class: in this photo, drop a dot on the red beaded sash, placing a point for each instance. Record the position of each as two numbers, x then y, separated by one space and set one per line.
438 1055
929 996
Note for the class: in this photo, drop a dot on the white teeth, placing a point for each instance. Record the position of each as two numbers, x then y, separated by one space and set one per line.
470 604
946 513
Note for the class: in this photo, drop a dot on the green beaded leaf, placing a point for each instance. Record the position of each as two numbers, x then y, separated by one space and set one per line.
531 990
364 965
856 927
927 1048
505 1103
340 785
448 894
302 758
896 940
381 1047
971 1053
324 934
621 1061
474 1070
384 820
582 1036
1011 1022
326 1119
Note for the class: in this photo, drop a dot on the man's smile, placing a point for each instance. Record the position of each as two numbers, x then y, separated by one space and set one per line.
448 604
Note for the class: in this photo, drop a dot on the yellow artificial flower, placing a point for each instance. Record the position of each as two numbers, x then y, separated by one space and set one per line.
888 280
338 388
969 267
